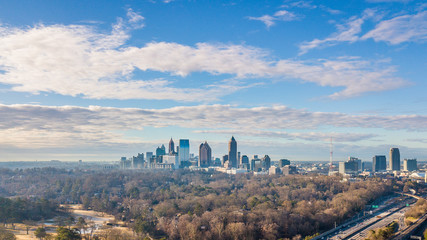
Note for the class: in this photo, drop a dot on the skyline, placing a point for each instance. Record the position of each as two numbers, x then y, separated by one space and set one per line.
97 81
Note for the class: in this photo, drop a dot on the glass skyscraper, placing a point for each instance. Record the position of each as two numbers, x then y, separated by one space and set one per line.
184 150
394 159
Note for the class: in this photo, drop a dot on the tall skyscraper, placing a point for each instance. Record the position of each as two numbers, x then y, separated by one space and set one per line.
232 152
184 150
205 155
171 147
394 159
379 163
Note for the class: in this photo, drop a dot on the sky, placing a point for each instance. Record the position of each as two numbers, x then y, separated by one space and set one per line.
97 80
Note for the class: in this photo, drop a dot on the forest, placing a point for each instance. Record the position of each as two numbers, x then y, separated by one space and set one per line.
185 204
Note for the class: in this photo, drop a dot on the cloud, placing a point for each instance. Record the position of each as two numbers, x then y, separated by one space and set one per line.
33 126
347 32
135 19
281 15
310 136
406 28
78 60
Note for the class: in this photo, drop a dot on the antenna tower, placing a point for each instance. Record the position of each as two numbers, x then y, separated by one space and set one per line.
331 155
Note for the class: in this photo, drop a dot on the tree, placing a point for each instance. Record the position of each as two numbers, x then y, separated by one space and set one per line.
40 233
28 224
6 235
67 234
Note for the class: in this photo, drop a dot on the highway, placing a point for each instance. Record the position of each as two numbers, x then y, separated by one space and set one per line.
359 229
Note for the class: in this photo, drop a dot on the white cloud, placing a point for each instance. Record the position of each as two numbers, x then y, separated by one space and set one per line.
135 19
77 60
406 28
32 126
281 15
347 32
310 136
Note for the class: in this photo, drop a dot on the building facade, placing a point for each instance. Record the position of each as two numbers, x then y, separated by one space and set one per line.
232 152
171 147
379 163
410 165
184 150
394 159
205 155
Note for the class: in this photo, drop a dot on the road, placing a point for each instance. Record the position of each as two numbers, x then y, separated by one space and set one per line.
359 229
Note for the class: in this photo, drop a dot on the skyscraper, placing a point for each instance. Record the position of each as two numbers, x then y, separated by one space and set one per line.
266 163
161 150
394 159
184 150
232 152
379 163
205 155
171 147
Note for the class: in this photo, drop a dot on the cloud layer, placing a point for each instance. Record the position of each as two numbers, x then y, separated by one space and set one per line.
32 126
78 60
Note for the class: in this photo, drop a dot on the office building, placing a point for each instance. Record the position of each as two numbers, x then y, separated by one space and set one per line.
245 159
205 155
232 152
284 162
358 161
379 163
138 161
184 150
161 150
171 147
350 167
394 159
266 163
224 159
256 165
410 165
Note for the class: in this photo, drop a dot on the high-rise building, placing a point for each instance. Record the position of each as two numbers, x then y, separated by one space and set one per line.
394 159
349 167
171 147
245 162
284 162
232 152
359 162
184 150
138 161
379 163
410 165
266 163
149 155
161 150
239 161
205 155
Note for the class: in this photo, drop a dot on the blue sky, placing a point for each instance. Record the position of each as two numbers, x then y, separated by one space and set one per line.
96 80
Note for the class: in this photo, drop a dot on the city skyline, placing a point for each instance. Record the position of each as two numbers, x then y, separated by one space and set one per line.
96 80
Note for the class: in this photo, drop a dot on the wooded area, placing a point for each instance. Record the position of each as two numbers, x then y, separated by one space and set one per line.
201 205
